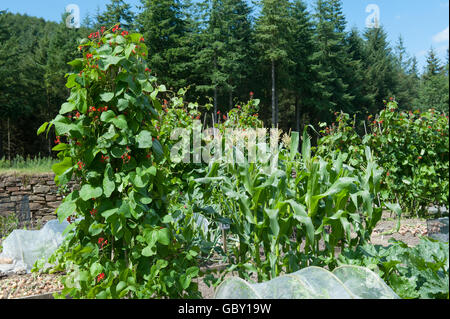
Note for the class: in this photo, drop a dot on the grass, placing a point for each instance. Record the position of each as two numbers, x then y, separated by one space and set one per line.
29 165
10 222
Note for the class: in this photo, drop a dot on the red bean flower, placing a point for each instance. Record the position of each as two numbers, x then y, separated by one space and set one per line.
80 165
124 33
100 277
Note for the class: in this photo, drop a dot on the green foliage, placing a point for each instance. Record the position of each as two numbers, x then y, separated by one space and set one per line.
272 35
331 56
117 11
164 28
279 211
434 85
412 272
412 148
7 225
28 164
379 63
243 117
222 50
122 241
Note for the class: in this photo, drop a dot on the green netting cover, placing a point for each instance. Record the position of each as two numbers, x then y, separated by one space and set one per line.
346 282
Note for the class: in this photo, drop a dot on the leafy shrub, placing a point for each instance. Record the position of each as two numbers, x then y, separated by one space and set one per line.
122 242
411 147
243 117
412 272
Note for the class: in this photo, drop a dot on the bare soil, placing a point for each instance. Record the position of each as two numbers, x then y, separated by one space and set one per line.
410 230
26 285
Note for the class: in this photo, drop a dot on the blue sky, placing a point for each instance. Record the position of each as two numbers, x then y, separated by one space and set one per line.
422 23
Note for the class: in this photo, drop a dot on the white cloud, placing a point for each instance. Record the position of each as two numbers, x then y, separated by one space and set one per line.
441 36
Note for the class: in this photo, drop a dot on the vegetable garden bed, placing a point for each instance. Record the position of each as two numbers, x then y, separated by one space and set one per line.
42 286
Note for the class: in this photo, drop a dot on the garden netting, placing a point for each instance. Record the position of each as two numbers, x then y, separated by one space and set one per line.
25 247
345 282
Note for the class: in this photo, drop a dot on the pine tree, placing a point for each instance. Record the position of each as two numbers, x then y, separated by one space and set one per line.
380 66
333 58
414 69
402 58
223 49
405 83
413 83
433 66
271 33
302 76
211 50
237 36
434 86
162 25
358 86
117 11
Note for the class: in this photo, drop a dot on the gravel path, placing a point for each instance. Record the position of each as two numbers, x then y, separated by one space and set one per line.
19 286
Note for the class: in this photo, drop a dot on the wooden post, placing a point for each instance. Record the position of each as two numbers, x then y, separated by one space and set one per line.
224 240
9 143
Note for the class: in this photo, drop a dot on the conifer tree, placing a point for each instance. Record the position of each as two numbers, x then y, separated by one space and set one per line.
380 67
433 66
162 25
358 87
237 35
405 83
211 50
434 86
117 11
332 57
302 75
272 39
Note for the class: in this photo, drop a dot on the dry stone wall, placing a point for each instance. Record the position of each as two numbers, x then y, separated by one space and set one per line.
34 197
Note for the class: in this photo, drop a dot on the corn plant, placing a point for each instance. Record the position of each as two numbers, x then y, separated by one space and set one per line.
280 214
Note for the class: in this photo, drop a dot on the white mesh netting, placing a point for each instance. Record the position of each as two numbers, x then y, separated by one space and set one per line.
345 282
27 246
